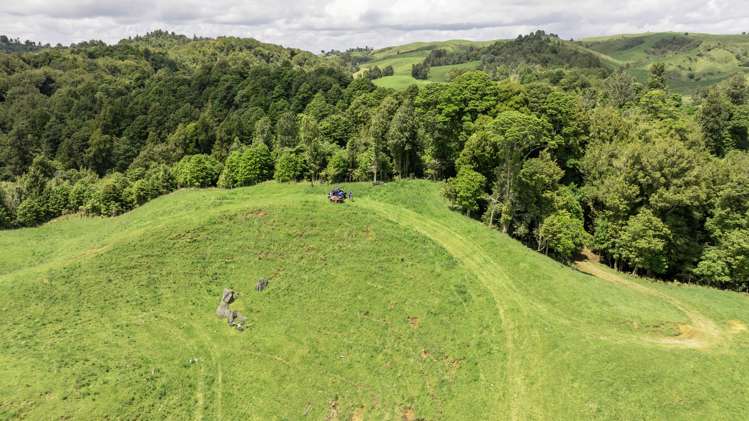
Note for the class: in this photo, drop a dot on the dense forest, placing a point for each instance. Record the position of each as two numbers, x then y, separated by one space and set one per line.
558 157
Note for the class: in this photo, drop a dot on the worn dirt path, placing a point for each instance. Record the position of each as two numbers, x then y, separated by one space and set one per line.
700 333
524 366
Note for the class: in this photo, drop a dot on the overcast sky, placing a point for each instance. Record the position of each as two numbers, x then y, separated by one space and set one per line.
325 24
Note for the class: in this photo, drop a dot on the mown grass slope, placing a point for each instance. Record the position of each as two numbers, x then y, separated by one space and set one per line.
389 307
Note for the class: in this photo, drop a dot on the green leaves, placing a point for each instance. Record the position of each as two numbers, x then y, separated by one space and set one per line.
289 167
728 262
506 141
466 191
563 234
403 141
643 242
197 171
247 166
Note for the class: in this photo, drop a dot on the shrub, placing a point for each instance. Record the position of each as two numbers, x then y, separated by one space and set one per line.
6 220
289 167
57 198
10 197
466 190
365 166
40 207
337 168
109 197
139 192
563 234
35 179
247 166
82 191
643 242
727 263
6 216
197 171
31 212
364 163
153 183
161 180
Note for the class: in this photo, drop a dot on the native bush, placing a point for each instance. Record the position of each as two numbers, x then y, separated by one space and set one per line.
109 197
81 191
31 212
466 190
338 165
289 167
247 166
155 182
563 234
197 171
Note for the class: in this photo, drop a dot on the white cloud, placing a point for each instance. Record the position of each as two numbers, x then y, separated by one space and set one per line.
318 24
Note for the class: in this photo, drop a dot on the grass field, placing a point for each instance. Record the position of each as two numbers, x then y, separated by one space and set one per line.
402 57
388 308
693 61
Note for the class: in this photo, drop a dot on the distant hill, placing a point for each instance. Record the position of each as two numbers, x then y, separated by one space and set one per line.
446 58
538 49
693 61
402 57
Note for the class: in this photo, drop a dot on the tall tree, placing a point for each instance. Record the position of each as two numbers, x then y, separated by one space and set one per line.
378 131
403 139
263 131
500 152
309 135
287 131
657 76
714 119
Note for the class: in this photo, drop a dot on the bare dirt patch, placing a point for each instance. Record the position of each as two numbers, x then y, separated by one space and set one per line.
358 414
700 333
252 214
333 413
414 322
736 326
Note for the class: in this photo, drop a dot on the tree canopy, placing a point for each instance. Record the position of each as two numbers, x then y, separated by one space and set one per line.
545 143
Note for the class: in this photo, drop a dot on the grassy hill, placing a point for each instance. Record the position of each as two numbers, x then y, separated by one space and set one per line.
693 60
390 307
402 57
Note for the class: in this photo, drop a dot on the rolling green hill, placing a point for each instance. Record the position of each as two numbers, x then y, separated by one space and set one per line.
402 57
390 307
693 60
